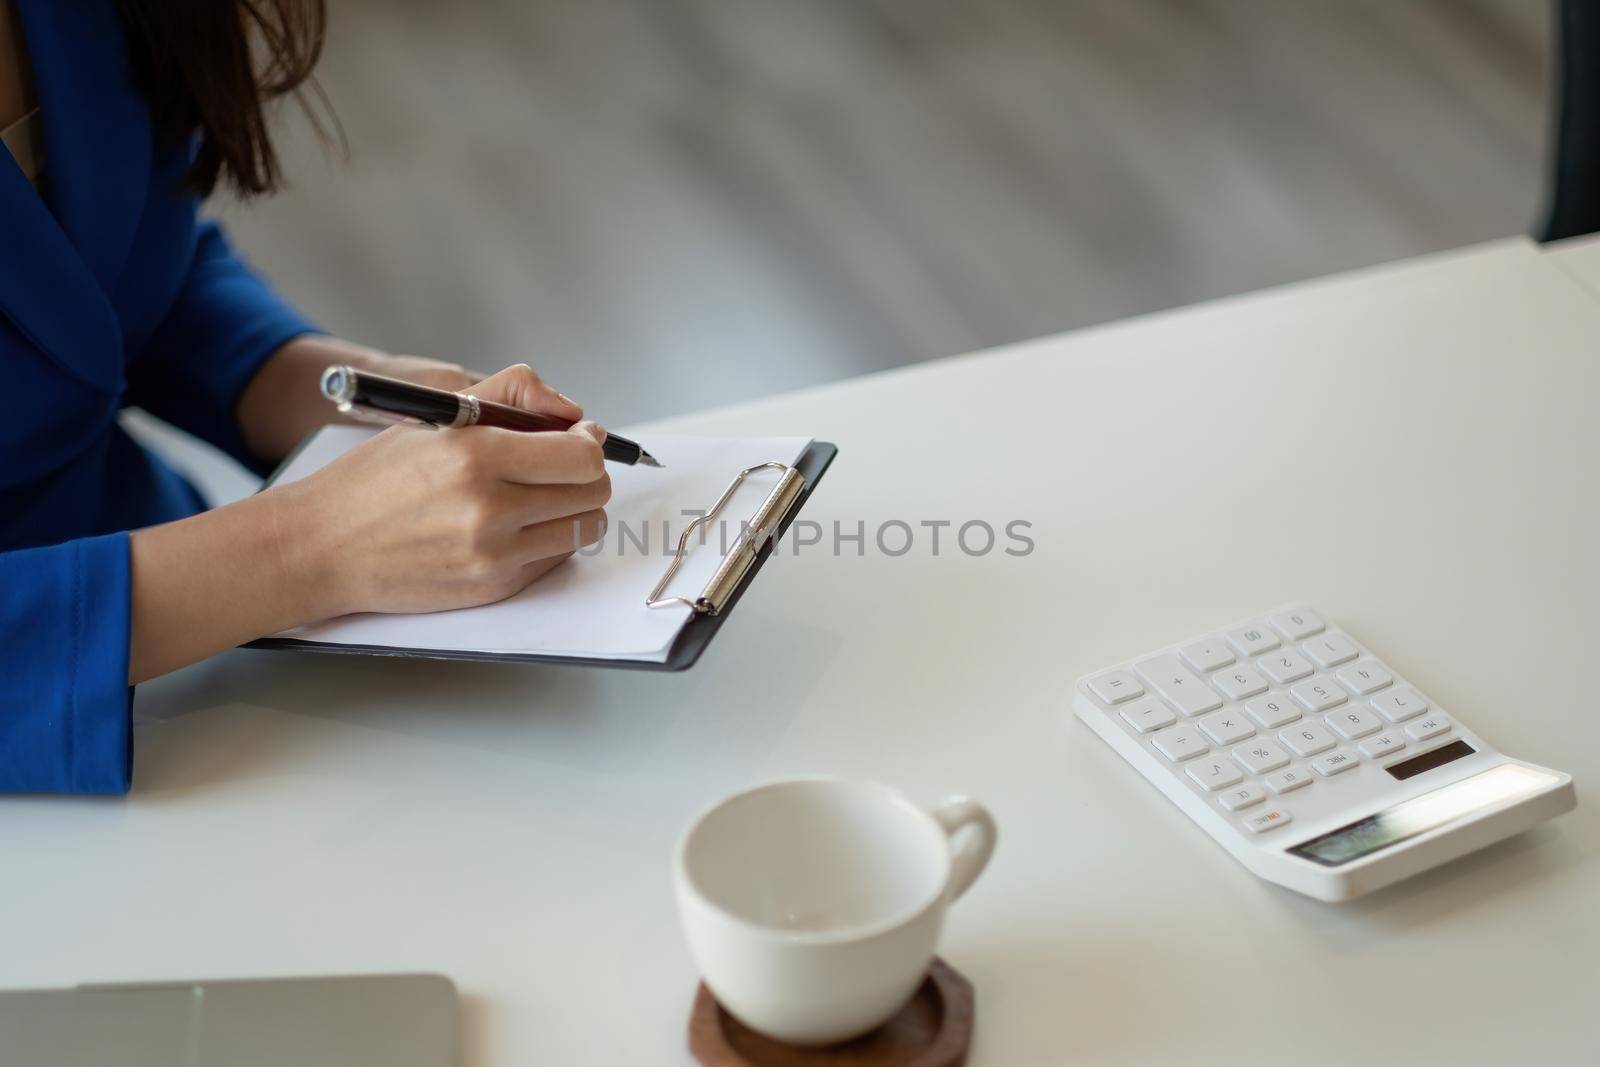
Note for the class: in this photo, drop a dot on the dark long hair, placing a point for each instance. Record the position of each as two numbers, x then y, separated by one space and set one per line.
212 66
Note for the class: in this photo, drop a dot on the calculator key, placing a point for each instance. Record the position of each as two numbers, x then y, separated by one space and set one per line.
1272 711
1284 666
1364 678
1383 745
1242 797
1354 722
1252 640
1262 821
1432 726
1213 773
1288 781
1318 694
1335 762
1259 757
1207 655
1227 726
1180 743
1147 715
1179 685
1239 682
1114 687
1307 739
1399 704
1298 624
1330 650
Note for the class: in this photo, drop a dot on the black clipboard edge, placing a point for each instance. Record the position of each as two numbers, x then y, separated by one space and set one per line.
686 650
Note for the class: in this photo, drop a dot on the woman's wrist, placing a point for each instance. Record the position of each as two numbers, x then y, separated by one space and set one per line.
282 403
224 577
305 555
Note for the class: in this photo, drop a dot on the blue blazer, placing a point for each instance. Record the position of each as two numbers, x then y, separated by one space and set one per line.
112 293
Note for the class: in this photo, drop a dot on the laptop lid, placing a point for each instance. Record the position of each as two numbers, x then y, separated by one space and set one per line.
392 1020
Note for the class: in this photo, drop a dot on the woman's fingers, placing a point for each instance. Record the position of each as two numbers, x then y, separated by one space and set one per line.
524 576
572 457
520 387
529 505
532 572
559 537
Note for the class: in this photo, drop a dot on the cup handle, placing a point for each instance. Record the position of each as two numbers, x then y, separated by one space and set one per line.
968 859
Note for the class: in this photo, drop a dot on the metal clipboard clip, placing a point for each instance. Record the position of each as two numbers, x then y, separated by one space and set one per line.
736 564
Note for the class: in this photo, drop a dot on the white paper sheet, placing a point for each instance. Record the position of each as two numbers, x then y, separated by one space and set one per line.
593 604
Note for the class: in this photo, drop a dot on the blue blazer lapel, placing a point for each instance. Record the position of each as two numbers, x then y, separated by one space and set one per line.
97 142
96 126
48 292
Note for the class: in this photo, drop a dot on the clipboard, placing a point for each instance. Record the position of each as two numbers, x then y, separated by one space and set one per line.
710 605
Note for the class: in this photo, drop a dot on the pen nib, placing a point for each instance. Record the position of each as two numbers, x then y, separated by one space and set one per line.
647 460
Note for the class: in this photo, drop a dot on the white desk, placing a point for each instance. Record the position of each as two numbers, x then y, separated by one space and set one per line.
511 826
1579 258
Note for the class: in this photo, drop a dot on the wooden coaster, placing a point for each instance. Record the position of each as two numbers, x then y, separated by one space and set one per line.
933 1030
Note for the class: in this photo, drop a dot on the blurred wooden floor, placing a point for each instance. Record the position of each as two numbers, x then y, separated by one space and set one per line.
667 204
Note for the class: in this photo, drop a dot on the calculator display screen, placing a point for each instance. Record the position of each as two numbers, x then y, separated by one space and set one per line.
1421 814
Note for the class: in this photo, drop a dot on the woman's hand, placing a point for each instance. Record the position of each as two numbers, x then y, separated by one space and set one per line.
412 520
423 520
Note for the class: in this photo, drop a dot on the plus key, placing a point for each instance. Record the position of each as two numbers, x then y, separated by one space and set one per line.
1168 676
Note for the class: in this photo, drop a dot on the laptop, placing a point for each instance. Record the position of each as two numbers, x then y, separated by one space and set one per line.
390 1020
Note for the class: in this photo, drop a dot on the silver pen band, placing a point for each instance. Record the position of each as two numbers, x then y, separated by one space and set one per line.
467 413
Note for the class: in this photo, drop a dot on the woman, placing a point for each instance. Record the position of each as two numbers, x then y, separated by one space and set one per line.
119 117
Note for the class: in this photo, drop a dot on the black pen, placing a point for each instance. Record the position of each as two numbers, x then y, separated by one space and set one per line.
375 398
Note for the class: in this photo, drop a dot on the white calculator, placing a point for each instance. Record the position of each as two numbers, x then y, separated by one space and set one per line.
1309 759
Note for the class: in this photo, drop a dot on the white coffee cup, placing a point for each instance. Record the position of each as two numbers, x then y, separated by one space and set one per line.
812 906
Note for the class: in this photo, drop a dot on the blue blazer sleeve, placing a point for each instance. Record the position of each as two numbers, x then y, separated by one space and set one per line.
223 325
64 699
